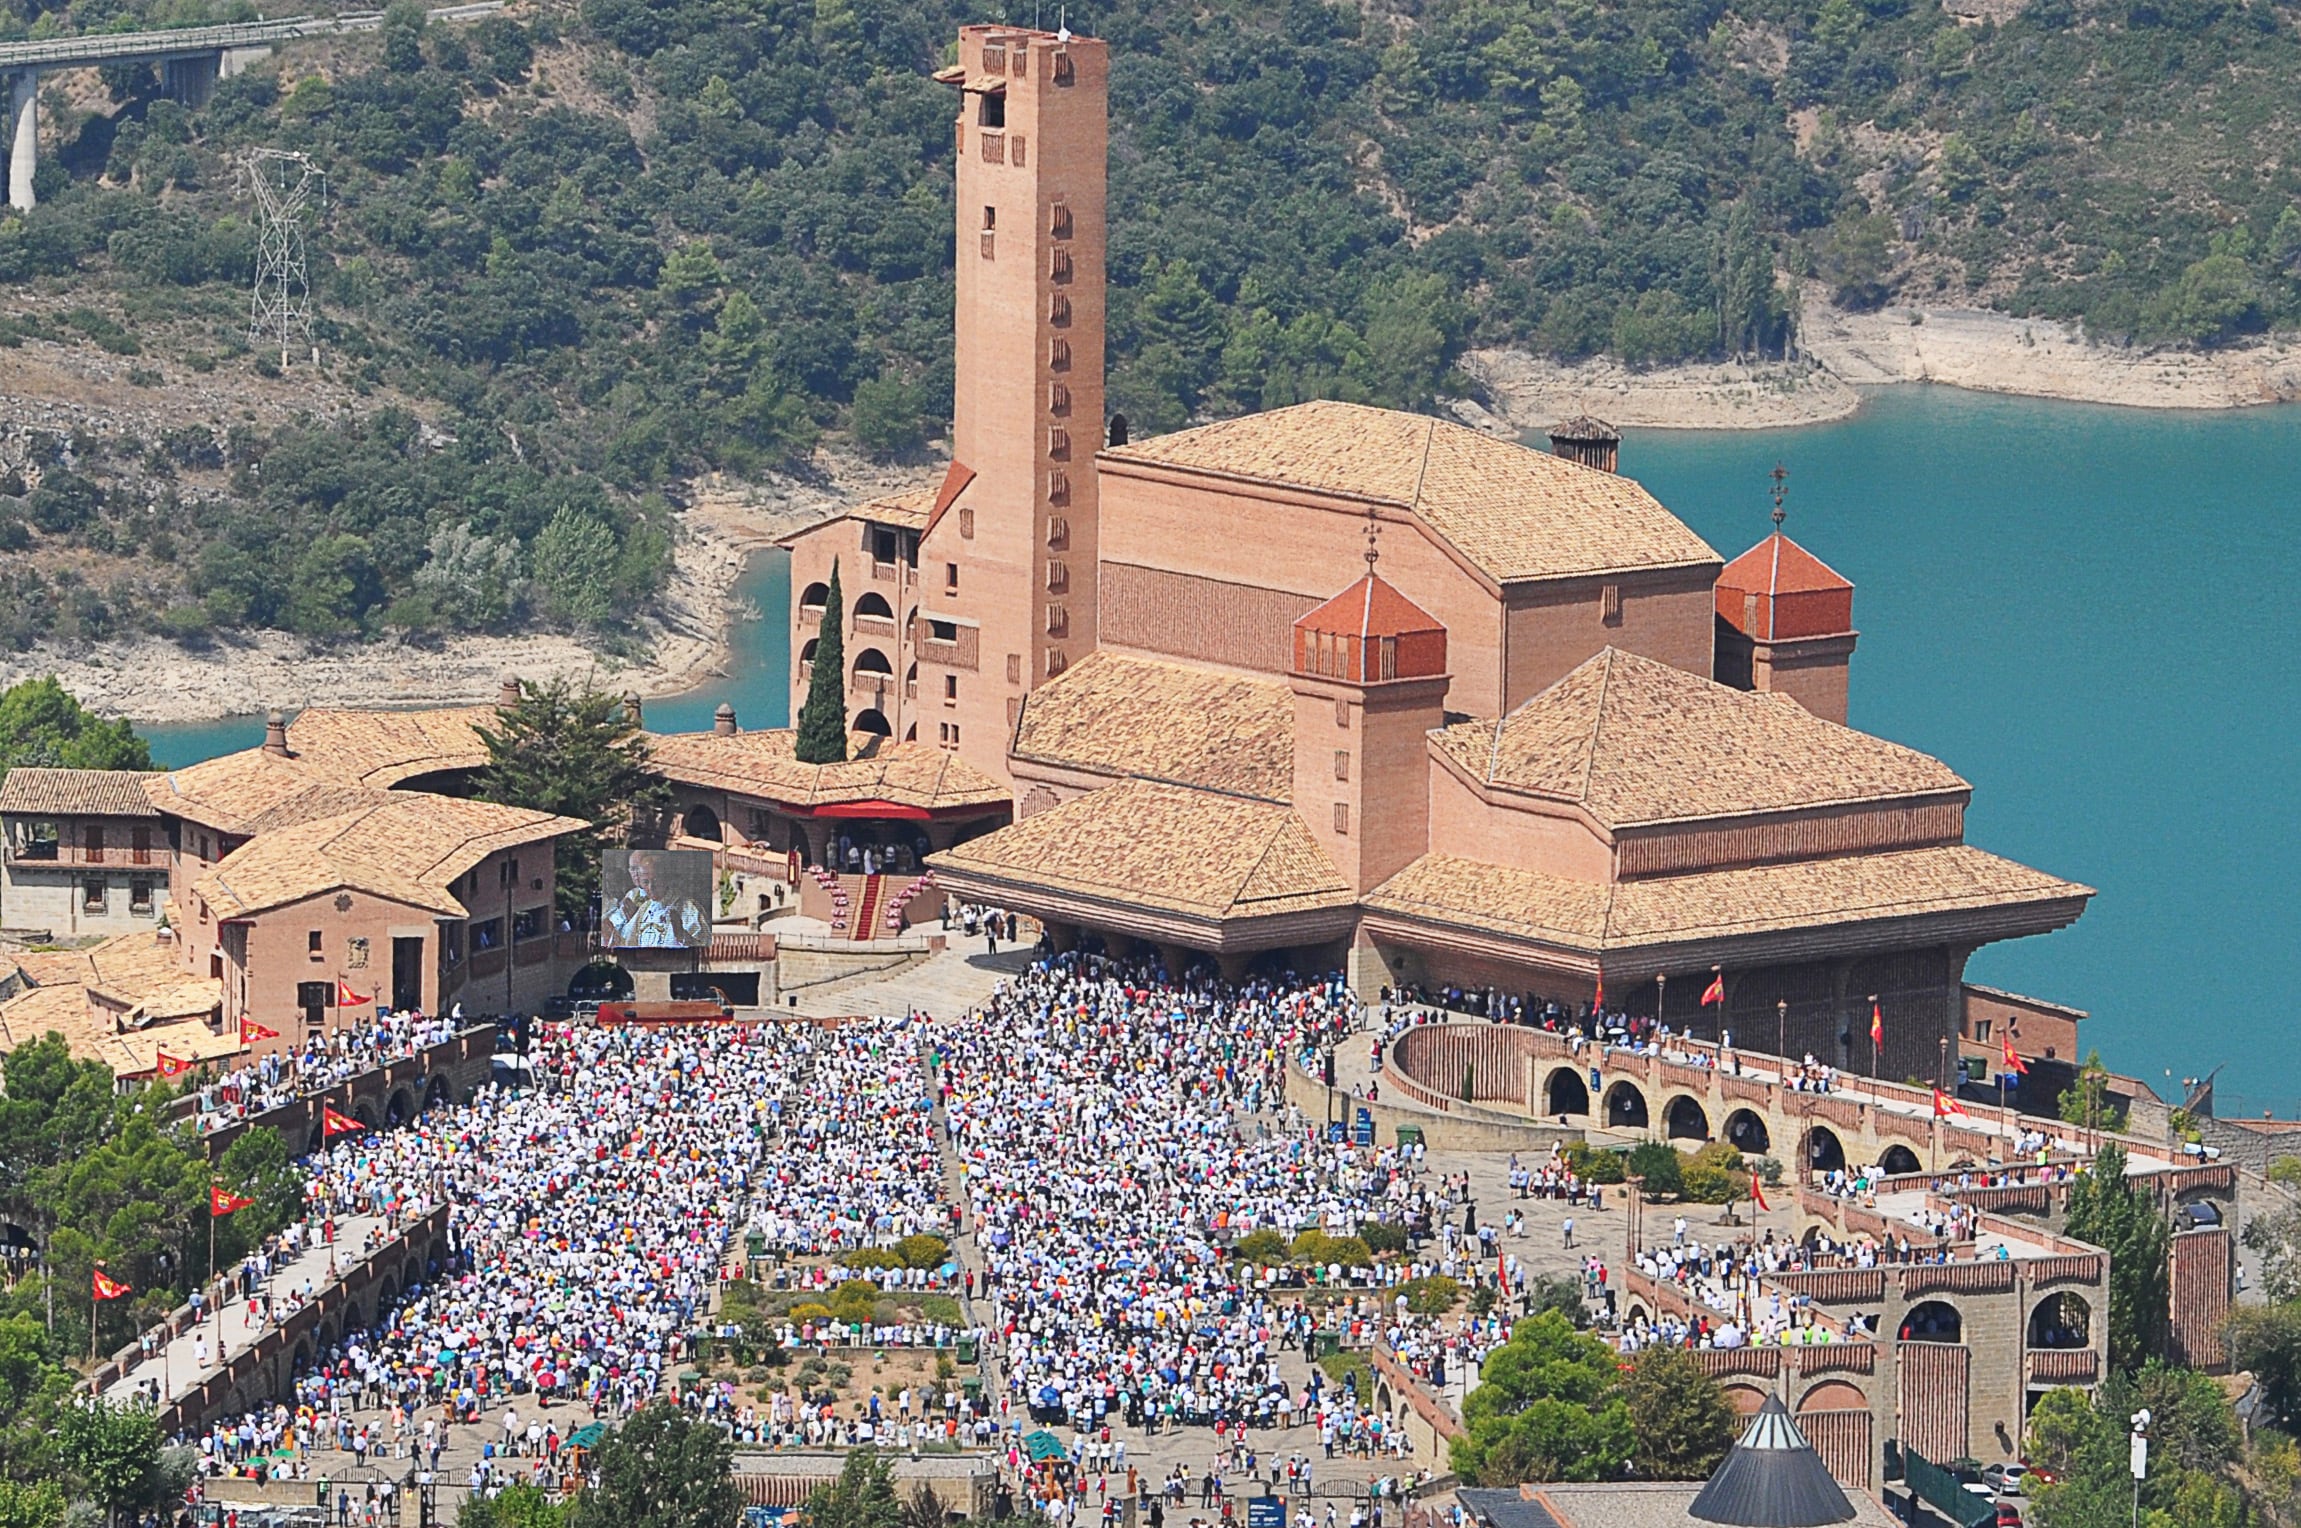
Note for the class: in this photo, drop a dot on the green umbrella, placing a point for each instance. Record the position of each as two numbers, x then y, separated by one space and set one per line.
1043 1445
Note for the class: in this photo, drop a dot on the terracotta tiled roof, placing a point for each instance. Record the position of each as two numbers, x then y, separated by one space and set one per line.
1633 741
1778 565
253 791
762 764
911 509
1584 427
1165 847
1713 904
117 1002
1372 607
30 789
382 748
1777 590
1514 512
956 477
407 847
1114 715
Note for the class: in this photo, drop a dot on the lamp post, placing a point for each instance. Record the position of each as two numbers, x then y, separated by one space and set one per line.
1661 997
2139 1460
1781 1032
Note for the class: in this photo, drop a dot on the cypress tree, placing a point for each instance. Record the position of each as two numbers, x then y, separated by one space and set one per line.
822 735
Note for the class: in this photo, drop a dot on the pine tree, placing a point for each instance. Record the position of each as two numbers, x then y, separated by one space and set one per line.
822 735
577 753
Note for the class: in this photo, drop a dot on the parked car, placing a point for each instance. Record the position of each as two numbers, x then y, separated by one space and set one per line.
2007 1479
2008 1515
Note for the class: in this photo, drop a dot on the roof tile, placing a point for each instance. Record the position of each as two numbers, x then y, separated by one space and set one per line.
1109 714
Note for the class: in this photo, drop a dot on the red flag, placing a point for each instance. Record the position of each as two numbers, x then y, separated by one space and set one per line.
2014 1063
1946 1107
1758 1192
107 1287
170 1066
332 1123
1598 1003
1502 1270
1877 1026
222 1201
1716 991
346 998
251 1032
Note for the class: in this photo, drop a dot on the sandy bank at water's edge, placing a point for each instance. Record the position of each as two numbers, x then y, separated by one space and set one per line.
152 680
1958 347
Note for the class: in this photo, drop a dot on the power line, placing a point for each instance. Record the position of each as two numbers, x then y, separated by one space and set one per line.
285 185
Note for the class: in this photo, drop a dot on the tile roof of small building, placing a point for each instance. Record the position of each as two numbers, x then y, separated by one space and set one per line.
380 749
37 790
763 764
253 791
1632 740
1514 512
1166 847
1713 904
1372 607
1110 714
1778 565
407 847
117 1002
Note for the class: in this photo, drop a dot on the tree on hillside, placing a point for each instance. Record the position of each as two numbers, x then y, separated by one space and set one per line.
1681 1419
577 753
40 723
520 1506
1548 1407
822 735
662 1470
2112 1214
113 1453
862 1497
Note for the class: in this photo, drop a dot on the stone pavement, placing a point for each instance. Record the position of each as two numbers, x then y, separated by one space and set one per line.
944 985
176 1368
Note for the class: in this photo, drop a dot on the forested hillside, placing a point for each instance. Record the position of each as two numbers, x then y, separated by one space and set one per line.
577 253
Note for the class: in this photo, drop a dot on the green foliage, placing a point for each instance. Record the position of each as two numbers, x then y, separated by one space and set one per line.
519 1506
39 1504
1560 1292
1382 1237
2089 1103
1548 1407
578 754
1261 1246
862 1497
822 730
2112 1214
1433 1295
1681 1419
41 724
1594 1165
2194 1442
1714 1175
1321 1250
1659 1165
923 1251
662 1470
113 1453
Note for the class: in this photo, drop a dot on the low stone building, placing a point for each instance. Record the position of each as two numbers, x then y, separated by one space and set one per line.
81 852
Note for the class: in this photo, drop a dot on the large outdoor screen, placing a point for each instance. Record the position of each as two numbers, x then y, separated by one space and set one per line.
655 899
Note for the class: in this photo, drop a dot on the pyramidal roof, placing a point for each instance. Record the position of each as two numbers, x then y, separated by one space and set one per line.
1772 1478
1372 607
1778 565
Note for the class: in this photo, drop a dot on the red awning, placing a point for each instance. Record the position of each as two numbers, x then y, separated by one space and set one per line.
873 809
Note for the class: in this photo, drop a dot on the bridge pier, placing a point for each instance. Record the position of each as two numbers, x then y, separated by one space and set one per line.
23 137
192 79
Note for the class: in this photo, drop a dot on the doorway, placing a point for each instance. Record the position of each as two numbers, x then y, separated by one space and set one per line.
406 973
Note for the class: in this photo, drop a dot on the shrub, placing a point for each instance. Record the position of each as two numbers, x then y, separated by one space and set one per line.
811 1310
1431 1296
1708 1183
1594 1165
1382 1236
1262 1247
1659 1165
923 1251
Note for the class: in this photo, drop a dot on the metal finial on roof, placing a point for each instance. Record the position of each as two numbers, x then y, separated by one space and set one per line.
1781 477
1373 536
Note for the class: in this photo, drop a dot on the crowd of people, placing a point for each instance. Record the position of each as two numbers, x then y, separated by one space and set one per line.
321 1062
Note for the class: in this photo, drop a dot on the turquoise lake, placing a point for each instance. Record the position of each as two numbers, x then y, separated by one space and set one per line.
2084 611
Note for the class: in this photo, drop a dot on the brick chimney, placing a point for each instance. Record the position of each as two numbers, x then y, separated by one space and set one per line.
1587 440
723 720
507 693
631 708
276 734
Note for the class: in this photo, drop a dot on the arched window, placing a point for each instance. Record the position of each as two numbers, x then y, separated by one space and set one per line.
873 606
873 722
814 598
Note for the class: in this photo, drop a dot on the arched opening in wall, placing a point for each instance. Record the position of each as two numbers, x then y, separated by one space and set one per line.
1825 1153
1625 1107
1933 1321
1685 1120
602 981
2061 1320
1899 1161
401 1109
702 822
873 721
807 649
317 1139
812 599
911 733
1834 1395
1566 1092
1746 1131
871 666
366 1112
1746 1398
873 606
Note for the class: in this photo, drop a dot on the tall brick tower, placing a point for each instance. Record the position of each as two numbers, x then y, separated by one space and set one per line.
1007 562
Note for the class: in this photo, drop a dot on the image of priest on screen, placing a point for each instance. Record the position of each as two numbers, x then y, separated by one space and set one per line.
660 905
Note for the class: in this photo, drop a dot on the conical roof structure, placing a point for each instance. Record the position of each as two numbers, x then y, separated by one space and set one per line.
1772 1478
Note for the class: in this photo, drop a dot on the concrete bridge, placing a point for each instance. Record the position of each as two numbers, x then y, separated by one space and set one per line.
190 59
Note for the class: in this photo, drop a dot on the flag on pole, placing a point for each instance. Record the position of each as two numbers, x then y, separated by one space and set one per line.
1877 1026
2014 1063
333 1123
222 1201
1502 1271
1598 1003
1946 1107
106 1287
251 1032
1758 1193
346 998
1716 991
170 1066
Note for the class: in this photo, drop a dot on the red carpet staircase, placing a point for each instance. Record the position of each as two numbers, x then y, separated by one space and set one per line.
867 911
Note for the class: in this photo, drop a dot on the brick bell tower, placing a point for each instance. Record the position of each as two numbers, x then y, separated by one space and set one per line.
1007 562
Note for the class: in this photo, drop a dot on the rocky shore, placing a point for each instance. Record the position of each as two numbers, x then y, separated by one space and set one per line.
155 681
